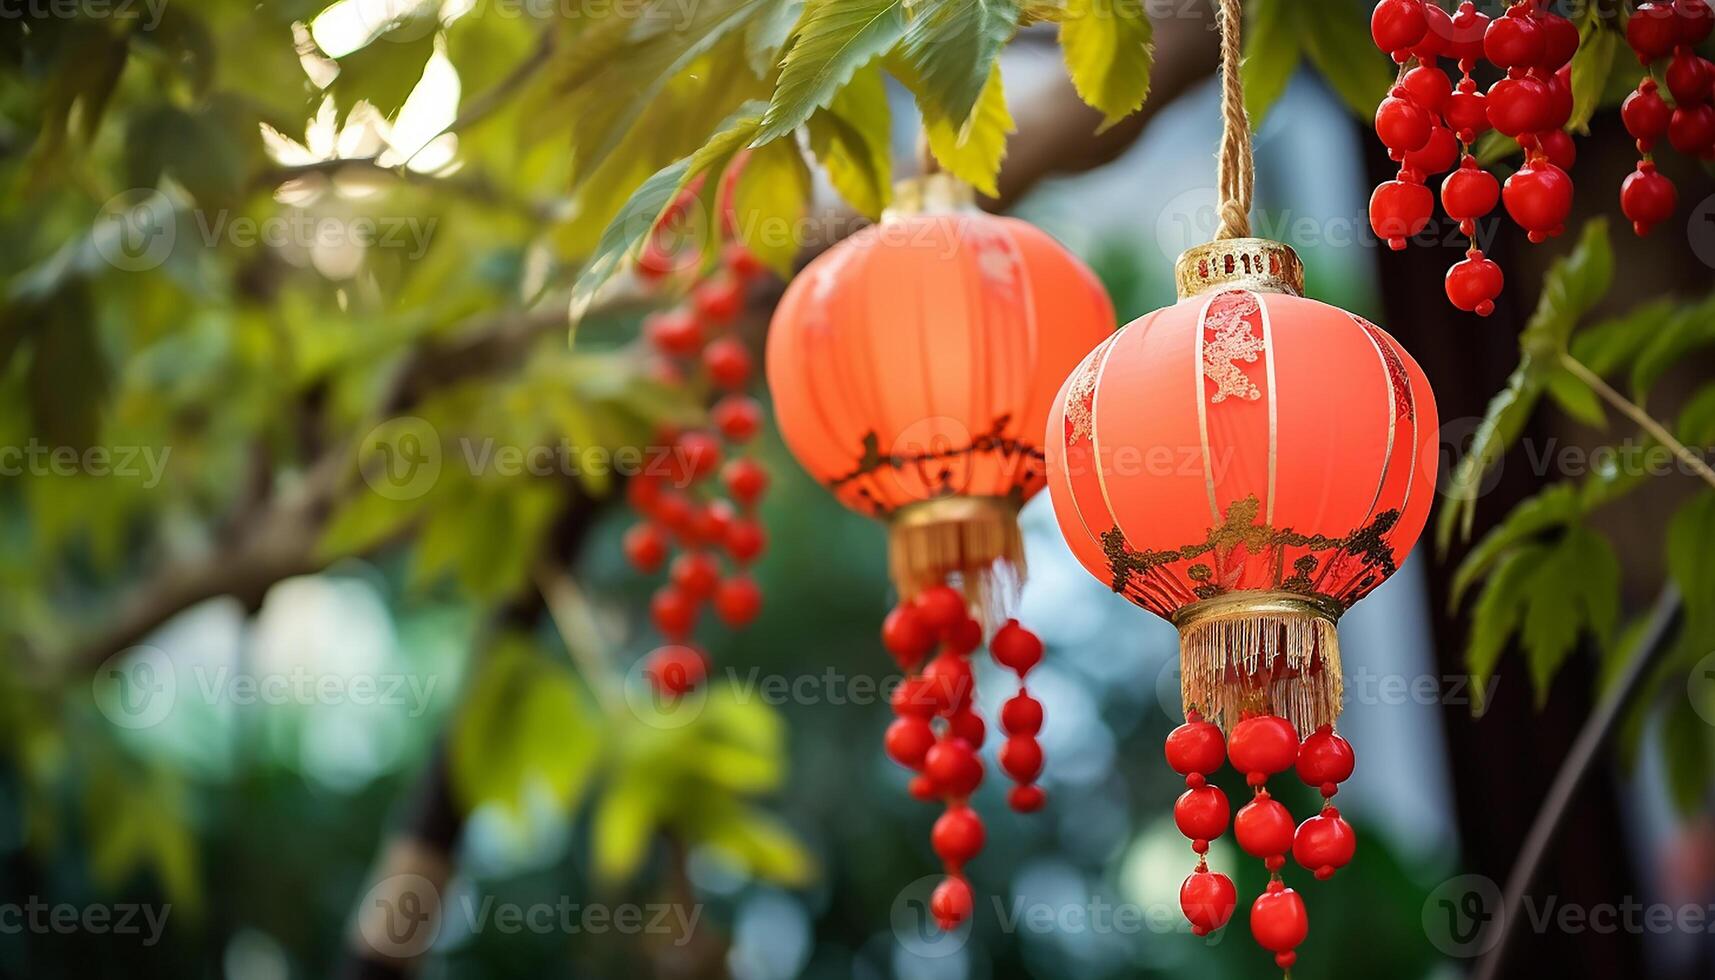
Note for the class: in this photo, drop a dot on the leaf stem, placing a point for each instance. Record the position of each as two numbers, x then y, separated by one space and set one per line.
1631 410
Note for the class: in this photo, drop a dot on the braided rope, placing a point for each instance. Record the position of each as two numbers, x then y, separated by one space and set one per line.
1237 161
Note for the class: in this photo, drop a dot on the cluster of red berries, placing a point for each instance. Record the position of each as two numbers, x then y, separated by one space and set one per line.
1655 30
938 692
1260 746
1428 124
680 509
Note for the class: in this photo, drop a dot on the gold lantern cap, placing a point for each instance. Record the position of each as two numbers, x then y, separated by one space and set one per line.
1256 264
934 193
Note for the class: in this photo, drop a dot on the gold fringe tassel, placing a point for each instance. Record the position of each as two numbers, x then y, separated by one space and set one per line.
971 542
1261 652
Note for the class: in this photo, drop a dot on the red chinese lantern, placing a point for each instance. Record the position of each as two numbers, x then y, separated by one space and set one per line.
912 368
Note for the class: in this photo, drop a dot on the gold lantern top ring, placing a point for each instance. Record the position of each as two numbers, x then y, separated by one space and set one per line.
1256 264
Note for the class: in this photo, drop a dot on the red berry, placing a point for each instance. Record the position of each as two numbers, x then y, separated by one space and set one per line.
906 637
1519 105
674 612
1470 192
677 331
1277 919
1691 131
740 262
711 523
1264 744
922 788
957 836
1026 799
1325 758
645 547
675 513
1559 40
745 540
728 363
674 670
1263 827
695 574
909 740
1437 156
965 637
1473 284
655 261
1513 41
695 455
1021 715
1202 813
1207 899
1470 26
718 299
1397 26
1402 124
1694 20
1646 113
1016 648
942 607
738 600
966 724
954 767
1652 31
1399 210
951 903
738 417
1428 86
950 681
1196 746
1324 843
1021 757
1558 146
1559 92
914 698
1468 113
1647 197
1539 197
1437 38
1689 78
746 481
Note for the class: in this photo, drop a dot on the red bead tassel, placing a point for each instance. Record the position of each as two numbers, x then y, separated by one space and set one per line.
1195 750
1019 650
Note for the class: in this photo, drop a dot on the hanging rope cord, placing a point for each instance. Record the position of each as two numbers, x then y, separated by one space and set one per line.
1237 162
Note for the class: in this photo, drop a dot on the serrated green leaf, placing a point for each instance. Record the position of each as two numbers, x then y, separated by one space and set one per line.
951 47
1338 43
1590 69
1499 609
834 39
1553 508
1502 422
1576 399
769 201
852 140
768 32
974 153
1691 328
1574 284
1271 56
1614 343
1576 587
1108 52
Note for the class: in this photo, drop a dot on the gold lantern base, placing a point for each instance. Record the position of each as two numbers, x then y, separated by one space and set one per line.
1261 653
971 542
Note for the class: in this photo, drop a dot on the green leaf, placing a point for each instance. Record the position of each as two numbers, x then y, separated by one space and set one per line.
1686 756
769 201
852 139
384 71
1697 420
1608 346
768 32
1576 587
1590 69
1690 559
1551 509
1271 56
625 819
951 47
1575 398
761 844
1574 284
1108 52
524 726
834 39
1501 425
1338 42
1493 147
1691 329
972 153
1496 617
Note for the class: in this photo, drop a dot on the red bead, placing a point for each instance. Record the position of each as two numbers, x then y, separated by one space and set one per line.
1645 113
957 836
1437 38
1470 192
674 512
645 547
740 262
1278 920
951 682
696 455
1558 146
922 788
738 601
1428 86
1016 648
1437 156
746 539
1559 40
1647 197
712 523
1470 26
1027 799
1202 813
1324 843
674 670
695 574
1539 198
674 612
965 637
1513 41
1691 131
746 481
951 903
914 697
967 725
1021 715
1264 744
906 637
1207 898
1652 31
942 607
1402 124
677 331
1397 26
1559 91
1689 77
655 261
1021 757
908 741
719 299
728 363
1519 105
1263 827
1473 284
954 767
1325 758
1468 114
1196 746
1399 210
738 417
1694 20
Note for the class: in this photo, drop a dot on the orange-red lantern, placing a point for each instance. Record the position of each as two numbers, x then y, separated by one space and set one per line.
1247 464
913 365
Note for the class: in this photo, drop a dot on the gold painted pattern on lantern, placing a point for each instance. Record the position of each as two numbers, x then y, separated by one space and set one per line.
1080 400
873 460
1234 340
